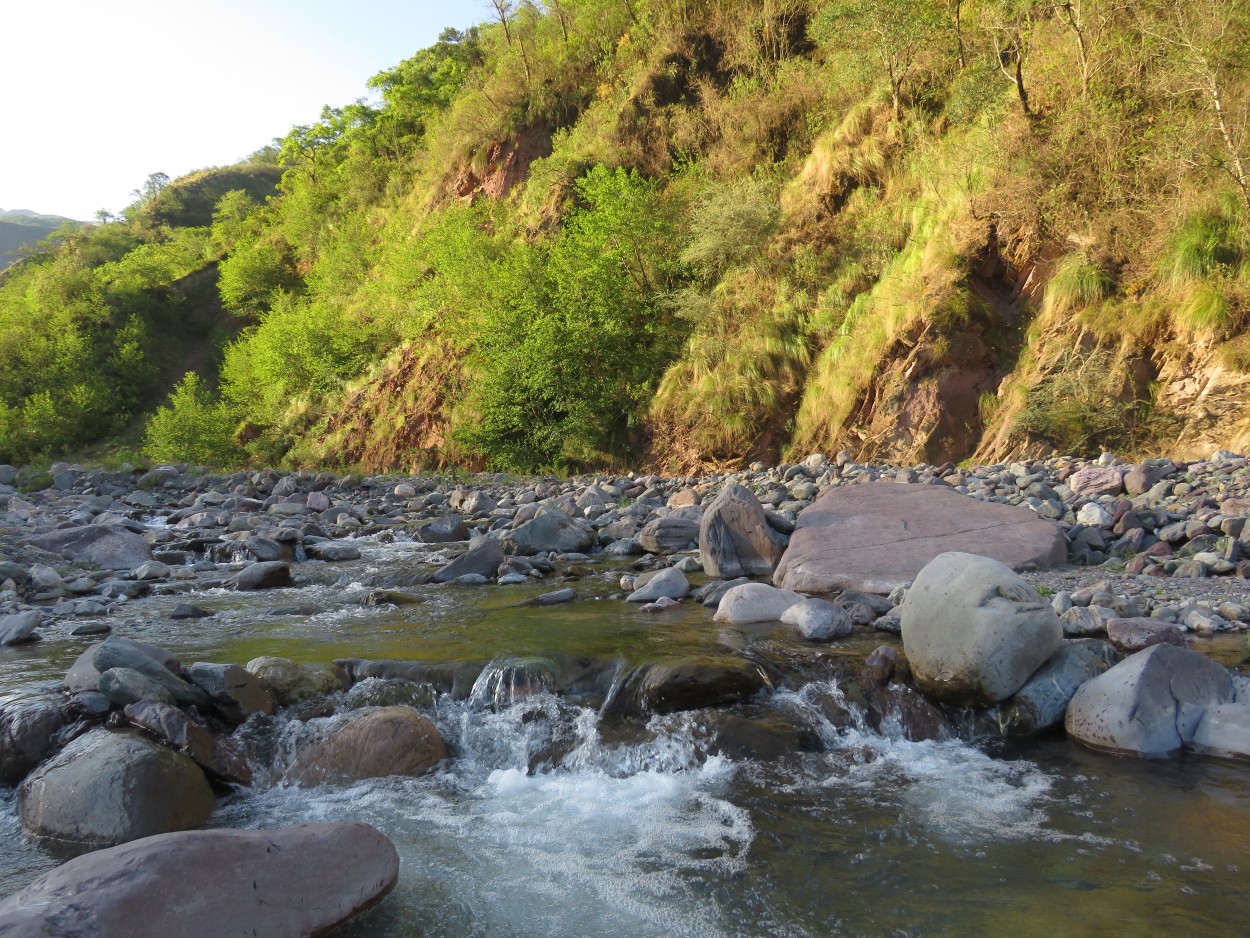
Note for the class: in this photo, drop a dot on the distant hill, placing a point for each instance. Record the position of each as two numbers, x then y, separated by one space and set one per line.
21 227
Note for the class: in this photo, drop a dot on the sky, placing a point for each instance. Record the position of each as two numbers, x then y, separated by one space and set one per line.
96 95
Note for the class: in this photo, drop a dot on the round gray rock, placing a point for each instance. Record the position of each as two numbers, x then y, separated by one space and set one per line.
974 631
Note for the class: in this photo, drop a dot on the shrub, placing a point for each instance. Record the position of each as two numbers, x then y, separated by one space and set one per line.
194 428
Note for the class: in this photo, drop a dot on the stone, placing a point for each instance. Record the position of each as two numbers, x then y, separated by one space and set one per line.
695 685
549 530
878 535
19 628
710 594
108 788
1093 514
1133 635
443 530
45 581
268 574
974 631
187 611
112 547
1224 731
1093 481
334 551
482 558
1085 621
555 597
735 538
368 744
112 653
1043 700
755 602
290 681
122 686
669 582
236 692
295 881
1149 704
83 676
151 570
174 728
26 730
669 535
818 620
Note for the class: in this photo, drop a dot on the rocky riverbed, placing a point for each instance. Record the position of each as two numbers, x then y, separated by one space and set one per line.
106 567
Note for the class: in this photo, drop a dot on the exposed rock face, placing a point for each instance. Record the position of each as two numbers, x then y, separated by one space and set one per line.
877 536
108 788
111 546
370 744
290 681
974 631
297 881
26 729
755 602
735 538
1150 704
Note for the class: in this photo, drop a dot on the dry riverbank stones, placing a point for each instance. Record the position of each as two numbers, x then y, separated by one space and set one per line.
876 536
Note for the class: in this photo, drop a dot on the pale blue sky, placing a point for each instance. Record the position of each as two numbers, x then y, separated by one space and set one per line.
98 94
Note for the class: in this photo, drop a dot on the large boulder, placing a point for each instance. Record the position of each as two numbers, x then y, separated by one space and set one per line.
695 684
19 628
112 653
974 631
482 558
1043 700
290 681
287 883
755 602
83 676
26 730
1224 731
444 530
368 744
735 538
1150 704
112 547
877 536
268 574
549 530
108 788
169 725
1132 635
669 535
236 692
670 582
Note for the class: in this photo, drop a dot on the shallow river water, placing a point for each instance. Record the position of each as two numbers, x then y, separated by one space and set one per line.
638 831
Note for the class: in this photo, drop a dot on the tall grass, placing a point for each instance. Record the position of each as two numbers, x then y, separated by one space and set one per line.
1076 284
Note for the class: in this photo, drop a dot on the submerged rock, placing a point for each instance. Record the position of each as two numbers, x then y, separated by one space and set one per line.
296 881
292 681
26 731
369 744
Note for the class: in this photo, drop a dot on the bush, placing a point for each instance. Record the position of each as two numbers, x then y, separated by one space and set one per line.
194 428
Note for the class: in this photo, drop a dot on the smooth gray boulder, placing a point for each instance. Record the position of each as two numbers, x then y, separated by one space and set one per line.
481 559
1150 704
879 535
549 530
108 788
755 602
287 883
974 631
111 653
818 620
112 547
735 538
1224 731
1043 700
236 692
444 530
19 628
669 582
122 686
669 535
368 744
268 574
26 730
83 676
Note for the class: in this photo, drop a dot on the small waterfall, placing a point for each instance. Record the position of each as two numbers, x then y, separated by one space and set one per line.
505 681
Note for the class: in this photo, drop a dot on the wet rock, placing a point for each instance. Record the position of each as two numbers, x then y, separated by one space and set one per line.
267 550
1133 635
83 676
1224 731
333 551
764 740
695 685
710 594
19 628
26 731
1042 702
296 881
735 538
187 611
444 530
818 620
110 546
669 535
236 692
482 559
174 728
555 597
122 686
112 653
876 536
755 602
390 692
108 788
880 665
291 681
270 574
151 570
1150 704
368 744
549 530
670 583
974 631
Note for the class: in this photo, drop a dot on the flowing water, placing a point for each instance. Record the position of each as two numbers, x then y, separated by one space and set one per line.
555 818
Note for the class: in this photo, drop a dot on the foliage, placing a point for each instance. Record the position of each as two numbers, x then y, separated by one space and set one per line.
193 428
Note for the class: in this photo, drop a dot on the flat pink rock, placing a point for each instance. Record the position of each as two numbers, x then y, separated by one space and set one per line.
876 536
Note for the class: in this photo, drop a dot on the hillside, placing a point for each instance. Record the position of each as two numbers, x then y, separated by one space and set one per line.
632 232
22 228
